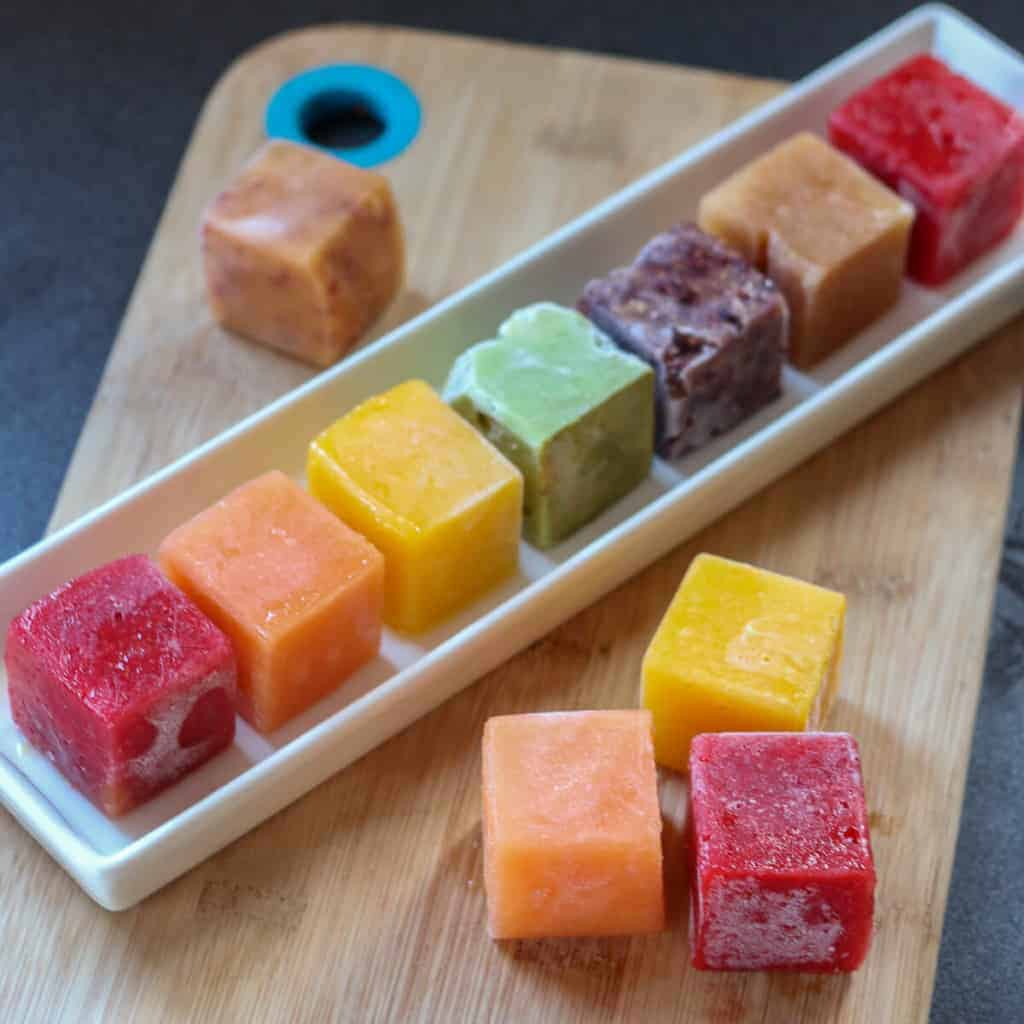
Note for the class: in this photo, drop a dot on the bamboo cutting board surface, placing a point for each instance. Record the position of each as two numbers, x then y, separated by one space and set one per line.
364 900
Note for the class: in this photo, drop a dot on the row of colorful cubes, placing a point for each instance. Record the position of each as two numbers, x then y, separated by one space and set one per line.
426 518
302 251
685 342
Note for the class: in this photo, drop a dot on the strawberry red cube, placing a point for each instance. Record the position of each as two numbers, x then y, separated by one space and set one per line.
783 876
947 146
122 682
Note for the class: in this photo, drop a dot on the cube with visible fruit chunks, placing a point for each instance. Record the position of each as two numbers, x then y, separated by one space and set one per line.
122 682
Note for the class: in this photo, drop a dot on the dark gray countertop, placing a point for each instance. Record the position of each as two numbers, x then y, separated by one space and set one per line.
98 100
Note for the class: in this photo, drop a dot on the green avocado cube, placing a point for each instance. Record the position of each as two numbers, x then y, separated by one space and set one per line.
572 411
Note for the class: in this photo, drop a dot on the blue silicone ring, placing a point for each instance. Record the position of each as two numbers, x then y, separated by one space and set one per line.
388 98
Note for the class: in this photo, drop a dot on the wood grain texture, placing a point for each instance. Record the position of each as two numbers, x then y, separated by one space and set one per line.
364 901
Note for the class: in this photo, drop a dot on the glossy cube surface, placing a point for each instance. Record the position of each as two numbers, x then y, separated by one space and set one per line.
570 410
298 592
740 648
442 505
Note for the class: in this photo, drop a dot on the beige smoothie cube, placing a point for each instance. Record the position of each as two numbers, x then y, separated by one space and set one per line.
302 251
833 238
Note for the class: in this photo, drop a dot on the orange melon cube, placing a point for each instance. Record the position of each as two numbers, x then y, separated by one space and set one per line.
298 592
572 828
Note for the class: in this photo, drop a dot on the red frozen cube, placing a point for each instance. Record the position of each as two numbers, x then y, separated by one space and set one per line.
783 877
122 682
947 146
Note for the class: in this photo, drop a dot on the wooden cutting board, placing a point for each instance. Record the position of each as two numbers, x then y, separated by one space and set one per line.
364 900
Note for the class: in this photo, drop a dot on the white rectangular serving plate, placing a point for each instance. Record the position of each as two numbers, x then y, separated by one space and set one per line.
120 862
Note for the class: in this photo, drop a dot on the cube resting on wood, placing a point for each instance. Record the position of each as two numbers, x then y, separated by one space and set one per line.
572 829
740 648
302 252
783 874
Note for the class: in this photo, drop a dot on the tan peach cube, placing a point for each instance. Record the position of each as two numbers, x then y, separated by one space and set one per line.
298 592
572 828
832 237
302 251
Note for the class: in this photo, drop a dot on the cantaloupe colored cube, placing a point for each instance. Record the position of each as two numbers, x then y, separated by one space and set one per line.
302 251
832 237
442 504
298 592
740 649
572 828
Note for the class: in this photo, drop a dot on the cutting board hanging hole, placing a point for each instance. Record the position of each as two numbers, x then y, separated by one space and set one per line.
356 112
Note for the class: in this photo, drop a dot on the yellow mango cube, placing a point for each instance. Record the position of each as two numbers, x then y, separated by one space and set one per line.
442 504
740 649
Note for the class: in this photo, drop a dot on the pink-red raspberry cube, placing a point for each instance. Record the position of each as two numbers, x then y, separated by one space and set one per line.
122 682
783 876
950 148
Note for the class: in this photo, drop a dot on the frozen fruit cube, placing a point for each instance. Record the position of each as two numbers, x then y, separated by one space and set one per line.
783 875
572 829
570 410
740 648
302 251
298 592
122 682
952 149
832 237
713 328
442 505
